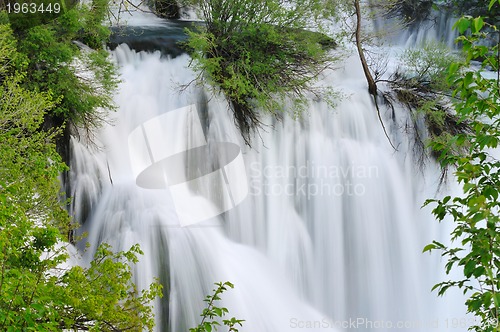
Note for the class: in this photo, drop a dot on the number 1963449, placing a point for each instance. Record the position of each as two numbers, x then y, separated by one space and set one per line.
32 8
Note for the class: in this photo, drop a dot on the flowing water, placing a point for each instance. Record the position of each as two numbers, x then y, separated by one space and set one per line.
328 238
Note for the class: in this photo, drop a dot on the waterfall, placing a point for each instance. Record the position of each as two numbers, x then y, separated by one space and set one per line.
439 28
329 236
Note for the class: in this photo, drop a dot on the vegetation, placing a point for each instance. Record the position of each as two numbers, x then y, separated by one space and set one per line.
64 55
259 54
167 9
474 8
420 84
417 11
411 11
211 312
39 289
476 214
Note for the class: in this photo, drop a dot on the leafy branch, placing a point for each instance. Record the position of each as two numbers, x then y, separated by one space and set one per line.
475 246
212 312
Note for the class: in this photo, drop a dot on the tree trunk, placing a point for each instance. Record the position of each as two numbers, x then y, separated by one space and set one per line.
372 86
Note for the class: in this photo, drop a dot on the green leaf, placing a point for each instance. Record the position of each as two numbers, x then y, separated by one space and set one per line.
492 2
218 311
207 326
453 69
462 25
479 271
429 247
478 24
469 268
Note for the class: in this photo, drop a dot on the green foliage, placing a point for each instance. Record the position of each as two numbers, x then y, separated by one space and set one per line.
416 11
34 12
476 8
212 312
80 79
421 85
411 11
476 237
38 290
428 64
258 53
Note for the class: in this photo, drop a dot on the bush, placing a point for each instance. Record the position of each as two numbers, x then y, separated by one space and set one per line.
259 54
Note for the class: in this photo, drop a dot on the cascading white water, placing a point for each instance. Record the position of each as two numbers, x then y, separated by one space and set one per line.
439 29
329 237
